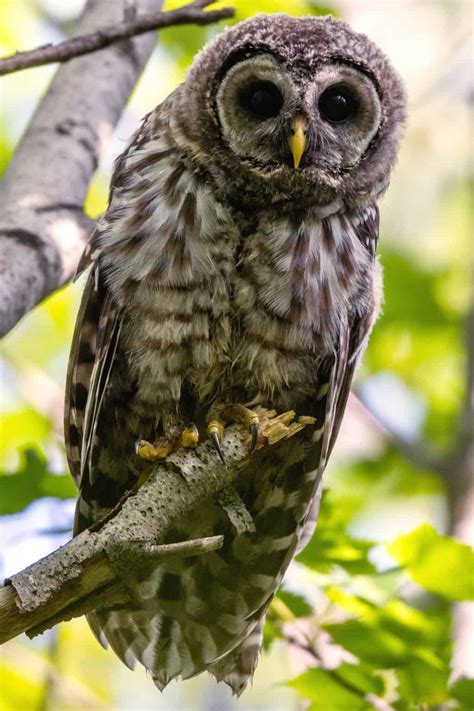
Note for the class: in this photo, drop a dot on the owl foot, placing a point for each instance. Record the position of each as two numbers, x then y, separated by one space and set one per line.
163 446
221 415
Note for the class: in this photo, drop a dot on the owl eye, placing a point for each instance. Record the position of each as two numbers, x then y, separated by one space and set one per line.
337 103
262 99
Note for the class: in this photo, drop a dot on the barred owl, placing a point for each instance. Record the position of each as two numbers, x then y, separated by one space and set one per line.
235 266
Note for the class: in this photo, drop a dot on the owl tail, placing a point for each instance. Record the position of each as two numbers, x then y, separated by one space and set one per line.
236 668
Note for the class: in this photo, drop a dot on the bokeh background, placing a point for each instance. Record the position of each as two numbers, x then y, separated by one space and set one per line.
374 607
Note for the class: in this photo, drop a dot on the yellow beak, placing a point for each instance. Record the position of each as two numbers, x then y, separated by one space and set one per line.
298 139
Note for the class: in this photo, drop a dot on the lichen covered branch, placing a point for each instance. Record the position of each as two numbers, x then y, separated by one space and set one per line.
90 572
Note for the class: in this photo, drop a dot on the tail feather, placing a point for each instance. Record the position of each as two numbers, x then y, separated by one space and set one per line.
236 668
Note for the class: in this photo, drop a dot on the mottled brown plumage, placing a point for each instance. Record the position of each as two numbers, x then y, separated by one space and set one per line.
221 273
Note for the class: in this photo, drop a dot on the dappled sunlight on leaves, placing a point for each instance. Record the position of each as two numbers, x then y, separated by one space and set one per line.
440 564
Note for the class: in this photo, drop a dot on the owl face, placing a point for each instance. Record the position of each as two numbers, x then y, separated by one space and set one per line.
273 118
282 109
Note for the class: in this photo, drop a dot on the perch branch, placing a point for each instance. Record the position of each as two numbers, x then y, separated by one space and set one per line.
129 27
90 572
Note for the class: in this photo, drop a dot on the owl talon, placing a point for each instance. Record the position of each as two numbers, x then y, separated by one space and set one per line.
154 450
254 432
190 436
163 446
222 415
217 446
215 430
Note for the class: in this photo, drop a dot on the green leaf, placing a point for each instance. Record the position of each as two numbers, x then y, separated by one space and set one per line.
440 564
21 429
295 603
285 607
352 603
370 643
422 683
463 691
32 481
417 301
18 689
360 677
429 627
393 634
326 691
331 545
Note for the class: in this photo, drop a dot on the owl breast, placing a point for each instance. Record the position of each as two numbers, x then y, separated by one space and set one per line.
233 304
300 275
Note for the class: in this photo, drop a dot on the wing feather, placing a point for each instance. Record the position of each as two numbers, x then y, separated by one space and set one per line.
108 333
95 337
336 375
92 354
80 367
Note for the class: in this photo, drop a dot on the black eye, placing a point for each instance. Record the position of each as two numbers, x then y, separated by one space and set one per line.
337 103
262 99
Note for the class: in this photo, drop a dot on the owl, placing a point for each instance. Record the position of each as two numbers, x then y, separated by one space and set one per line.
235 267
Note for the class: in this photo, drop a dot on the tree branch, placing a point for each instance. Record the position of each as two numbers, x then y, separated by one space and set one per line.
104 37
91 571
43 229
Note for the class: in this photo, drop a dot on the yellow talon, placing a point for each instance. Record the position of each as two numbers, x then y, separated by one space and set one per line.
164 446
251 418
159 450
224 414
190 437
215 427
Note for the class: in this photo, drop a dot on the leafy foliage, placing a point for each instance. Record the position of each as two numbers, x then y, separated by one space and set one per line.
408 641
338 690
331 545
438 563
32 481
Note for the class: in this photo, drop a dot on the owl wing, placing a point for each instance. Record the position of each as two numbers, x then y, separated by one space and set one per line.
92 353
336 374
95 336
354 333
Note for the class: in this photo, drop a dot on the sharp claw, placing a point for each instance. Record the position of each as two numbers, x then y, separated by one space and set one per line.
254 432
217 446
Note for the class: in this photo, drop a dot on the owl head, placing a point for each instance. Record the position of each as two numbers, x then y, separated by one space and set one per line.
293 108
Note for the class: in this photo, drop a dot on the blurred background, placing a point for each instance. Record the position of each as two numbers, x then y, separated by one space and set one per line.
373 612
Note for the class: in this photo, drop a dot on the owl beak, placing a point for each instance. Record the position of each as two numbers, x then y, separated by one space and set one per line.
298 142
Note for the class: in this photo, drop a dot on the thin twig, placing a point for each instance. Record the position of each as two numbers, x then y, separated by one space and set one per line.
129 27
147 550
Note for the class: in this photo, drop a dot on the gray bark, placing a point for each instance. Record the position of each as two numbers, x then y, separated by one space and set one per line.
97 569
42 226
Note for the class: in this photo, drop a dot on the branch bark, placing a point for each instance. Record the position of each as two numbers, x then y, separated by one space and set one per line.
43 229
104 37
91 571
